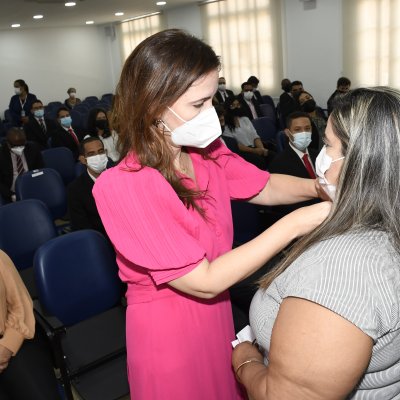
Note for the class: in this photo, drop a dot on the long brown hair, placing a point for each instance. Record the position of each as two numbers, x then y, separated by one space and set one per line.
367 123
159 71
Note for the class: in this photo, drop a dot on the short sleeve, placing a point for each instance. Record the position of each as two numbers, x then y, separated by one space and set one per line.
147 222
244 179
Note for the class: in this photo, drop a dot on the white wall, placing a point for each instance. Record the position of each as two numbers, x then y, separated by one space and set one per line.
187 18
52 60
312 44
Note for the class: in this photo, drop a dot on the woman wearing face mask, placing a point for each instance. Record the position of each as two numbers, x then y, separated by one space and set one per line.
98 126
239 127
318 117
327 320
166 209
72 100
21 103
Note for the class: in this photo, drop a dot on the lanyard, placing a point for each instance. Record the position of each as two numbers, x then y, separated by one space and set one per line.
22 103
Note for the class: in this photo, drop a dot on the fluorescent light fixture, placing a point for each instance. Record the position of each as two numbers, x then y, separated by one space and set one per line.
89 22
161 3
37 16
119 14
70 4
141 16
15 25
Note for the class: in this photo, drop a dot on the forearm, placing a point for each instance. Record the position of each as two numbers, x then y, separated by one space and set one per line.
286 189
245 149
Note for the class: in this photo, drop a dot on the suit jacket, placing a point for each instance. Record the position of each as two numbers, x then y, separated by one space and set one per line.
287 105
258 97
61 138
15 108
81 205
218 95
288 162
33 158
246 108
35 133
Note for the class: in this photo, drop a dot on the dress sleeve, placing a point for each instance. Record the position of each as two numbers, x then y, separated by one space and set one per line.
19 321
147 222
244 179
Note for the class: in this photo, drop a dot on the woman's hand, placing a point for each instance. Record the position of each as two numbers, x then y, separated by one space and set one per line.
306 219
5 356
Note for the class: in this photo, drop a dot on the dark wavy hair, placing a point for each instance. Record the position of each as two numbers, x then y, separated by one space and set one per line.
156 74
91 122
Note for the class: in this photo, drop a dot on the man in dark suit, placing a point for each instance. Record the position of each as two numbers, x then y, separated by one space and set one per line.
287 102
81 205
65 135
249 104
39 128
16 157
297 159
254 81
223 93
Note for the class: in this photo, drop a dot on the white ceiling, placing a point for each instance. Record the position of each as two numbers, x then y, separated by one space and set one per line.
57 15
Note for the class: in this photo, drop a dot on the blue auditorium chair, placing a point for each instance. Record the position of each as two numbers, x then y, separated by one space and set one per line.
265 128
281 140
79 306
24 227
62 160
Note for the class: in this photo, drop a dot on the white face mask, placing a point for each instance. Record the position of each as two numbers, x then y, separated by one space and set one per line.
199 132
18 150
248 95
17 90
72 94
301 140
322 164
222 86
97 163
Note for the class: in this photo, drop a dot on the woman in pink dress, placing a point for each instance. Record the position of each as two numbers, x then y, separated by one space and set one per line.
166 208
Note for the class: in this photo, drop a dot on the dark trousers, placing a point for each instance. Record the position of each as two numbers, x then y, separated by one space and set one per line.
30 374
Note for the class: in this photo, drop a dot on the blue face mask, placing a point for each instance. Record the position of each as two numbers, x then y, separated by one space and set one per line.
301 140
66 122
39 113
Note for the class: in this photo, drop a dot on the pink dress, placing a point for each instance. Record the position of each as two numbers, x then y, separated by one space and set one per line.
178 346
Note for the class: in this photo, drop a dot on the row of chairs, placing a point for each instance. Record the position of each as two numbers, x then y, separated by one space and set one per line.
77 298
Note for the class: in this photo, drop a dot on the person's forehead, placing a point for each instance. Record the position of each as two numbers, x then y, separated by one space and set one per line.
101 114
16 137
203 87
63 113
93 146
37 104
301 121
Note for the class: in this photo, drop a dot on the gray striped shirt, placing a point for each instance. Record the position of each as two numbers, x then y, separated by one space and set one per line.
356 275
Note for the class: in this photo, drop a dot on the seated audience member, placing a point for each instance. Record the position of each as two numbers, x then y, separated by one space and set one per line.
39 129
249 104
297 159
81 206
239 127
287 102
254 81
98 126
65 135
16 157
318 118
26 370
72 100
327 318
21 103
223 93
342 87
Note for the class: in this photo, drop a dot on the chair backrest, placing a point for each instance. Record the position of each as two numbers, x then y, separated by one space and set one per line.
62 160
281 140
46 185
79 169
268 100
78 118
265 128
76 276
24 227
268 111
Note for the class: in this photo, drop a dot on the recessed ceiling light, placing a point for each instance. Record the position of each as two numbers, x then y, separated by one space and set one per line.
89 22
37 16
70 4
119 14
161 3
15 25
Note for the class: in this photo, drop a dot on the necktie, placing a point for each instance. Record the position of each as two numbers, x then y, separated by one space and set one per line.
20 165
42 125
308 166
73 135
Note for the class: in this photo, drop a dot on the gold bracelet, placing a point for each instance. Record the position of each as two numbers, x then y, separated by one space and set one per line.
250 360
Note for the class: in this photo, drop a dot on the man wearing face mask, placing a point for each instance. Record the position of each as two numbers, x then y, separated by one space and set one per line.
223 93
16 157
297 159
249 104
39 128
66 135
81 206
